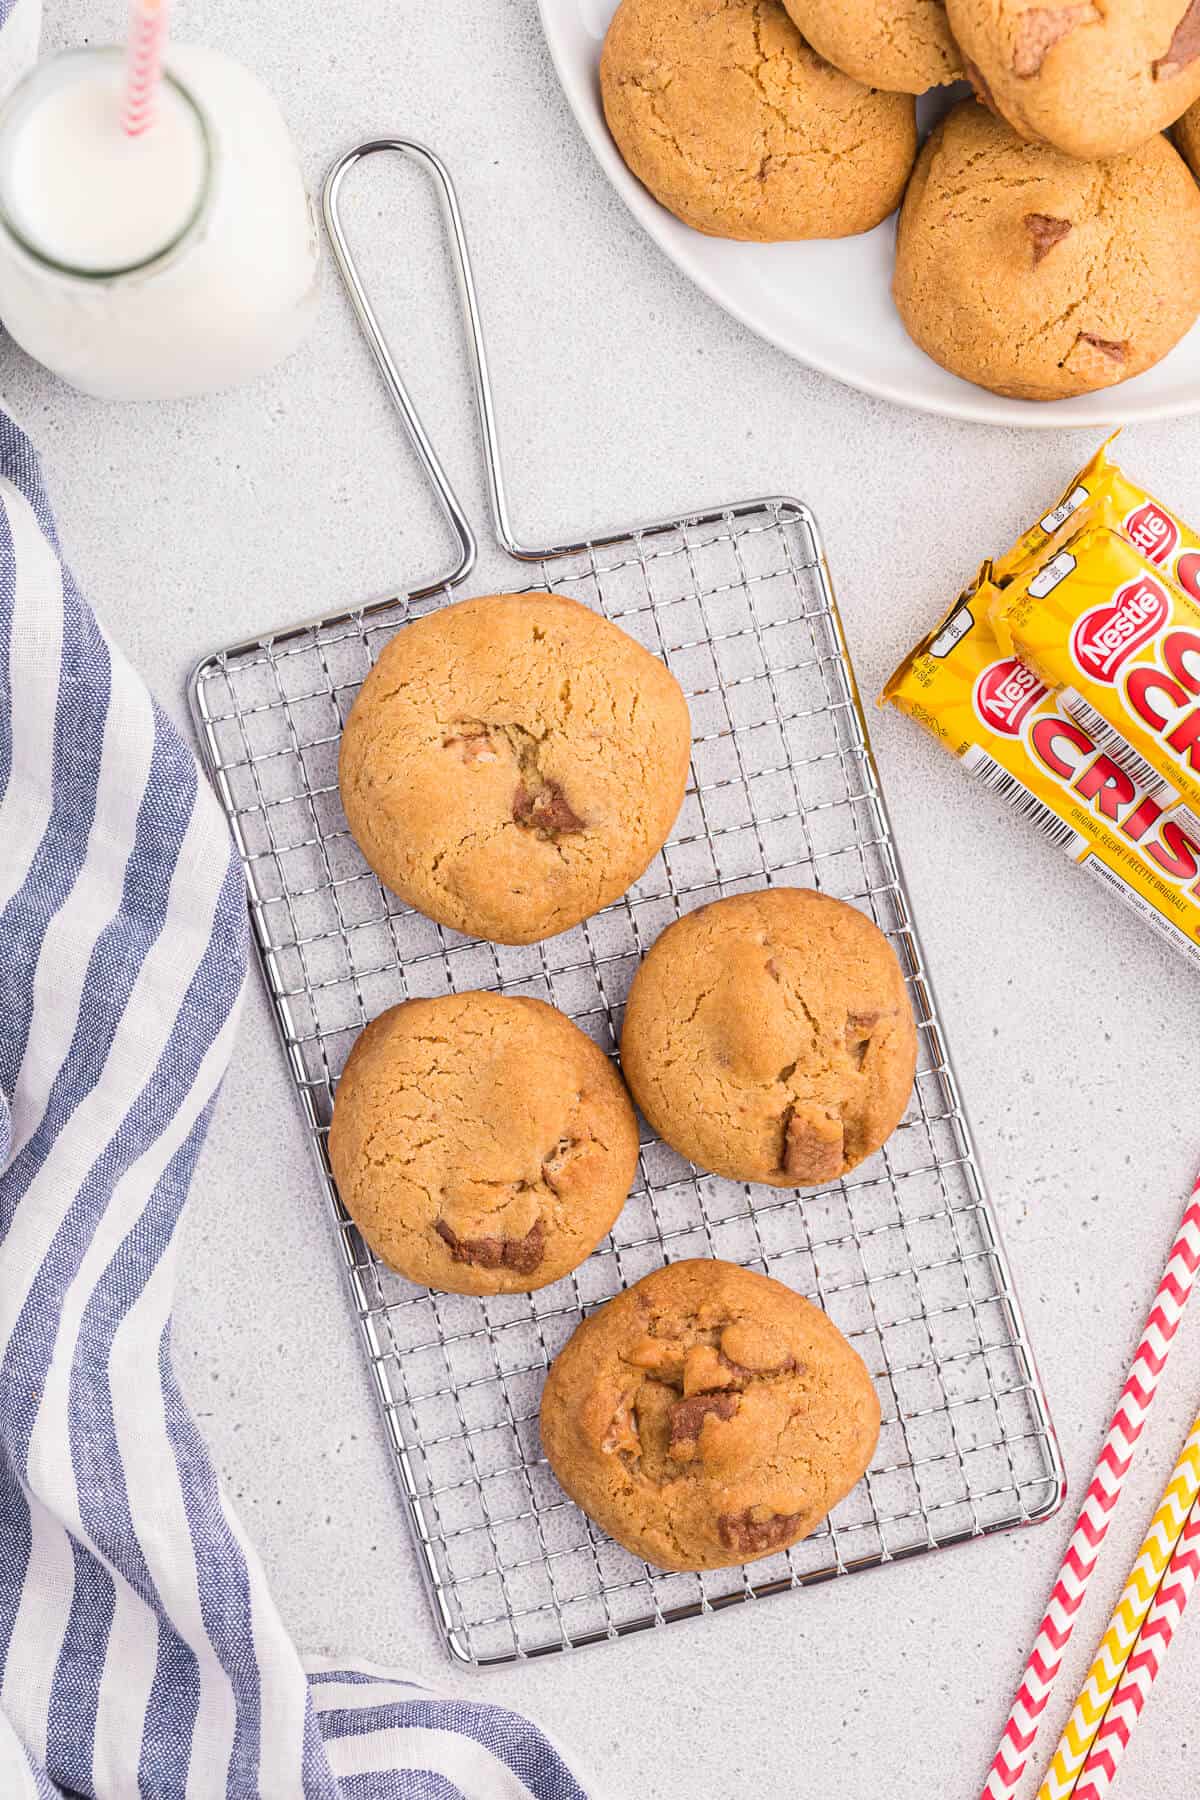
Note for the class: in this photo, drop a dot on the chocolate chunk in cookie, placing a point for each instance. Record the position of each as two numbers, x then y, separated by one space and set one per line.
1044 233
688 1416
1039 28
1184 47
546 810
522 1254
758 1531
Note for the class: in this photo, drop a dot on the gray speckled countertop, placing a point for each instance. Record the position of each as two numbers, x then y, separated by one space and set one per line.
623 393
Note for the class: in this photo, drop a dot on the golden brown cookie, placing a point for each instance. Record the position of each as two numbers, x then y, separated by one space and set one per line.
513 763
708 1416
769 1037
480 1142
741 130
1092 80
1039 276
902 48
1187 138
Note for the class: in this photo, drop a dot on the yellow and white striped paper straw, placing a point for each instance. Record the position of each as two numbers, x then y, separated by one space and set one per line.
1145 1661
1158 1546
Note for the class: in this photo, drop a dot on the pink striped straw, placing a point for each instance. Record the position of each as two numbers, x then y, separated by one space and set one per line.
1137 1396
143 67
1145 1660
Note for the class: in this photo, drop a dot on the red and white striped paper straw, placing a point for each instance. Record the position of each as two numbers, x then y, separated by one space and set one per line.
143 68
1145 1659
1045 1659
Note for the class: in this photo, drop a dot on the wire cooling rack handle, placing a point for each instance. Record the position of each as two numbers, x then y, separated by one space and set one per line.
436 169
430 460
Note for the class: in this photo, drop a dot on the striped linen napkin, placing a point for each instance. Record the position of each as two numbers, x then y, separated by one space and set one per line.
140 1652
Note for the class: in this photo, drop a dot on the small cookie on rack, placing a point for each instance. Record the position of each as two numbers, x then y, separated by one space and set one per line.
742 131
708 1416
1039 276
1093 80
769 1037
480 1142
513 763
903 48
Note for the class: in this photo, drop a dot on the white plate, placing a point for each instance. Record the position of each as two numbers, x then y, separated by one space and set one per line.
829 304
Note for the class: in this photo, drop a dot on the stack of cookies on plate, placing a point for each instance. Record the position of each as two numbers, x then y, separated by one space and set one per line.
1049 233
510 766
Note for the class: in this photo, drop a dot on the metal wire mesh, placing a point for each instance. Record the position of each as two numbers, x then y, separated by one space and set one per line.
903 1253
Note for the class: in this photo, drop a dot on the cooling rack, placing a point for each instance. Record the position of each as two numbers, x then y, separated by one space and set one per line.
903 1253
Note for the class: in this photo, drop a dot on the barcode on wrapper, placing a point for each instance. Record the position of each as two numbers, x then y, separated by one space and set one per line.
1107 738
1120 751
989 773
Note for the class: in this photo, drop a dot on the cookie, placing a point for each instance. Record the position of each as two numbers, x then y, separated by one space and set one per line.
1091 80
769 1037
904 49
741 130
708 1416
1187 138
1039 276
480 1142
513 763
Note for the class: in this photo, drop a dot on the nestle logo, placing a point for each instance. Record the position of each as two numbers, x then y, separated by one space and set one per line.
1108 635
1152 531
1005 694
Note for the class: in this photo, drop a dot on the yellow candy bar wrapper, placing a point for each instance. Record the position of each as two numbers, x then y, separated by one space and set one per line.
1102 494
1120 643
1012 734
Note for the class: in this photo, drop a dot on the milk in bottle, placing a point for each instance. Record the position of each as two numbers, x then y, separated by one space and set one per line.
170 263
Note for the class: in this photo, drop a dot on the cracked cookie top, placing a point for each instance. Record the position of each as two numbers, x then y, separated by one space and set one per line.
769 1037
741 130
1040 276
708 1416
904 47
1095 81
513 763
481 1143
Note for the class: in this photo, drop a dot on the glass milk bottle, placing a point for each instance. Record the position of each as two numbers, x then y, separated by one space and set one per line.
149 267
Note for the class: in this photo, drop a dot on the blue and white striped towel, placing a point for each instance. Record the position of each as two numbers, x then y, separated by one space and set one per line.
140 1652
